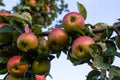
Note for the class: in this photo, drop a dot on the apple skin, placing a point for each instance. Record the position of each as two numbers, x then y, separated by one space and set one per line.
57 39
117 40
40 77
4 13
15 67
80 47
73 21
27 41
32 3
45 9
43 48
41 67
11 77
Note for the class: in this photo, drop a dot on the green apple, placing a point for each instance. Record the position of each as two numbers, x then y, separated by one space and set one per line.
27 41
41 67
57 39
11 77
80 47
40 77
73 21
43 48
15 67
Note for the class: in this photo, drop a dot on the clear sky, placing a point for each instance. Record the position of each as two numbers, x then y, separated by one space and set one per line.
98 11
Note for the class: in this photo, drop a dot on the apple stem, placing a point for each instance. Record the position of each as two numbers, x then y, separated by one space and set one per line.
27 29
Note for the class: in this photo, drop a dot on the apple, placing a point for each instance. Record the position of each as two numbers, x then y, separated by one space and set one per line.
27 41
11 77
32 3
15 67
41 67
40 77
73 21
45 9
117 40
2 13
57 38
43 48
80 47
2 24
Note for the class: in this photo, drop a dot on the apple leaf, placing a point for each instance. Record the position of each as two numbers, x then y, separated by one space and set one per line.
114 73
6 28
1 3
93 75
95 51
82 10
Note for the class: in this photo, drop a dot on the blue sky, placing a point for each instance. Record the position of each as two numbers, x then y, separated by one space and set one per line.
98 11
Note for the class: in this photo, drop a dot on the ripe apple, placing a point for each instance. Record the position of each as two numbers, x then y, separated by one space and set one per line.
32 3
40 77
45 9
73 21
15 67
80 47
2 24
43 48
11 77
27 41
57 38
117 40
41 67
2 13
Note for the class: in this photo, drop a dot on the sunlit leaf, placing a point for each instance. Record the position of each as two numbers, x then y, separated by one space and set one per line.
114 73
82 10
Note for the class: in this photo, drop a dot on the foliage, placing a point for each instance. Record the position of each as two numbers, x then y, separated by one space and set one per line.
103 52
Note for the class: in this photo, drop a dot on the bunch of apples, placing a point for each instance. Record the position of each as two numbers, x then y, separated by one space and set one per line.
57 39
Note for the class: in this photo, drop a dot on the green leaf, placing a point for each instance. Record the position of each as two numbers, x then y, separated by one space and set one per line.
6 28
95 51
114 73
93 75
82 10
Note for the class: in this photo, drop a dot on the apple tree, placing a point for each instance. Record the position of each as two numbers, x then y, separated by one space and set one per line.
26 50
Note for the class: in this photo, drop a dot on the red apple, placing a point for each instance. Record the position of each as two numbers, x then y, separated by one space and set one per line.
4 13
15 67
2 24
45 9
32 3
11 77
73 21
27 41
80 47
41 67
57 38
40 77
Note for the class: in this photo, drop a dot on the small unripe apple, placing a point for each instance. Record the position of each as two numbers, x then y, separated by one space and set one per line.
57 39
43 48
80 47
11 77
73 21
27 41
15 67
41 67
40 77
